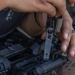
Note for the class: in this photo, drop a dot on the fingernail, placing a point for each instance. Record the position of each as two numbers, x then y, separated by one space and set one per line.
65 35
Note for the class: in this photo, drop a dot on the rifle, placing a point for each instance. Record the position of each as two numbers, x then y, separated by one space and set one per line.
20 55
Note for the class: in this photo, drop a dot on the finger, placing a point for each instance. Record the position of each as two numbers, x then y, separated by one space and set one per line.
65 44
43 37
49 9
66 28
41 19
57 15
72 46
65 35
60 5
71 2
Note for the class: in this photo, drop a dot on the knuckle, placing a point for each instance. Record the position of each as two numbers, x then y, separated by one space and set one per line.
67 27
62 6
40 5
41 9
46 7
62 3
53 12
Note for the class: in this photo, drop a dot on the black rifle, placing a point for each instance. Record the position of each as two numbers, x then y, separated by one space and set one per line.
20 55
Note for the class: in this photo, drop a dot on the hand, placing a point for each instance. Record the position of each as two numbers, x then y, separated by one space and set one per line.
34 29
51 7
66 35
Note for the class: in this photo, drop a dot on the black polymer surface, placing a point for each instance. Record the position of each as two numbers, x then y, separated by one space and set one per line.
9 20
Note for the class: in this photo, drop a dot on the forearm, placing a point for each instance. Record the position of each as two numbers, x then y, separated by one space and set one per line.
4 4
20 5
47 6
24 5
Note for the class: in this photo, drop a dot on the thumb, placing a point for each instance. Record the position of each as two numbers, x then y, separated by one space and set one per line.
43 36
41 19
